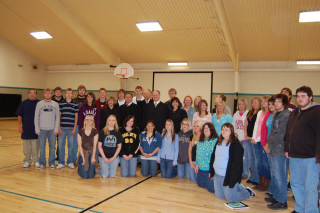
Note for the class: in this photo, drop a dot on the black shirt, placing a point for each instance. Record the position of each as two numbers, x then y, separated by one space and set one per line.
110 142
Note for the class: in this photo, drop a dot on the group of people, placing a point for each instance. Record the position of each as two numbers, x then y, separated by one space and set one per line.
215 150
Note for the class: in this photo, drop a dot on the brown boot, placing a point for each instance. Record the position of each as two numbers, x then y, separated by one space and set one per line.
266 184
258 187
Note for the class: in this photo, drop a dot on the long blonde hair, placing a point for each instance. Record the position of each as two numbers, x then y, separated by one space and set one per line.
106 128
86 118
194 134
224 107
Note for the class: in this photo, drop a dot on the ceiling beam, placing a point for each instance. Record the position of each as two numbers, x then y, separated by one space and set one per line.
82 31
224 25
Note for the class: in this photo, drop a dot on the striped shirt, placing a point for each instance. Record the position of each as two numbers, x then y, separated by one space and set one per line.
68 111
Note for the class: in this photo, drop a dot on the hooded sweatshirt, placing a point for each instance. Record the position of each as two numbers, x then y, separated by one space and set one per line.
303 133
184 140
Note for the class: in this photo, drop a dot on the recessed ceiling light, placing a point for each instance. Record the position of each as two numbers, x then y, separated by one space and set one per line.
309 16
308 62
149 26
177 64
41 35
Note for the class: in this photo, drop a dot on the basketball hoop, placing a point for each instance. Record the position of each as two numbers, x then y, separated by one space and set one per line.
124 70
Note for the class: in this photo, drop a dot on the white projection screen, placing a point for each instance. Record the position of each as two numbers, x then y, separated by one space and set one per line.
186 83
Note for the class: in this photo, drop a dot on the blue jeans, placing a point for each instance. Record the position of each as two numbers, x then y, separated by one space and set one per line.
271 187
204 181
109 169
91 170
193 175
280 169
184 170
166 168
149 167
254 175
235 194
128 167
44 134
262 161
304 179
75 145
245 172
62 145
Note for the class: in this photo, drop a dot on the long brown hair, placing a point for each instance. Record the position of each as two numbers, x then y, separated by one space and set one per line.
213 133
253 111
172 130
199 106
233 135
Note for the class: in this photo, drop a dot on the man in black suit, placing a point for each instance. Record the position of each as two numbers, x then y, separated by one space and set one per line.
129 108
143 108
157 111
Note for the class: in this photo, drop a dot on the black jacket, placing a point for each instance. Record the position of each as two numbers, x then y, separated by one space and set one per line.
177 118
235 164
106 112
143 113
158 114
125 110
131 142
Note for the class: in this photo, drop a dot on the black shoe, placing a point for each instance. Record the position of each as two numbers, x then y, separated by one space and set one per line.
278 206
251 192
255 183
268 194
248 181
269 199
294 211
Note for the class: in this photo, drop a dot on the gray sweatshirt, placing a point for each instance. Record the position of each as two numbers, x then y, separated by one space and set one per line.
47 116
278 133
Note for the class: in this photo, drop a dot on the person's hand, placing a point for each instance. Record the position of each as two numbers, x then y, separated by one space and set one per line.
266 149
93 160
125 157
158 161
253 141
196 170
174 165
247 138
106 160
210 177
20 129
60 131
192 166
130 156
287 155
84 161
73 131
55 133
38 133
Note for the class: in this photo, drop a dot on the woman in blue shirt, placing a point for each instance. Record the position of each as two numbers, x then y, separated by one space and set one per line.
220 117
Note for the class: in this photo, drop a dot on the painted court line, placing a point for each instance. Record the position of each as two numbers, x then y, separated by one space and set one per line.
48 201
112 196
11 166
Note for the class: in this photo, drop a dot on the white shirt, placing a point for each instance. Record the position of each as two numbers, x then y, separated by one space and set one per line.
121 102
134 99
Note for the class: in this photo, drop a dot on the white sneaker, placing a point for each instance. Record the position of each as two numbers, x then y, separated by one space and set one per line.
60 166
25 165
71 165
52 166
41 167
36 164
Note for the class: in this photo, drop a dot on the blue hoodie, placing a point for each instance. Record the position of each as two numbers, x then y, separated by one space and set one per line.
156 142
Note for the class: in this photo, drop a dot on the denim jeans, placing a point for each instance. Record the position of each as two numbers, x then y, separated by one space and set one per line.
271 187
204 181
109 169
245 172
193 175
280 169
184 170
128 167
235 194
262 161
254 175
86 174
304 173
149 167
44 134
75 145
166 168
62 145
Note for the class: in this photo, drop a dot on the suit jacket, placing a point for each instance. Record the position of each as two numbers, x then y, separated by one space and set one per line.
158 114
125 110
143 113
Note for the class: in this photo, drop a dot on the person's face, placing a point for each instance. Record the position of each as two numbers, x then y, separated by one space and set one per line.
255 104
271 107
185 126
89 99
303 99
81 92
220 108
285 92
278 105
264 103
146 95
150 127
172 95
203 107
175 104
130 122
111 122
155 96
242 106
196 101
128 98
111 102
121 95
206 131
47 95
89 122
138 92
225 132
102 94
69 94
168 126
32 95
218 99
196 128
58 93
187 101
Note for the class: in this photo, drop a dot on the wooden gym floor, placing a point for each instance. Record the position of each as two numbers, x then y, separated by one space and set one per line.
31 190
